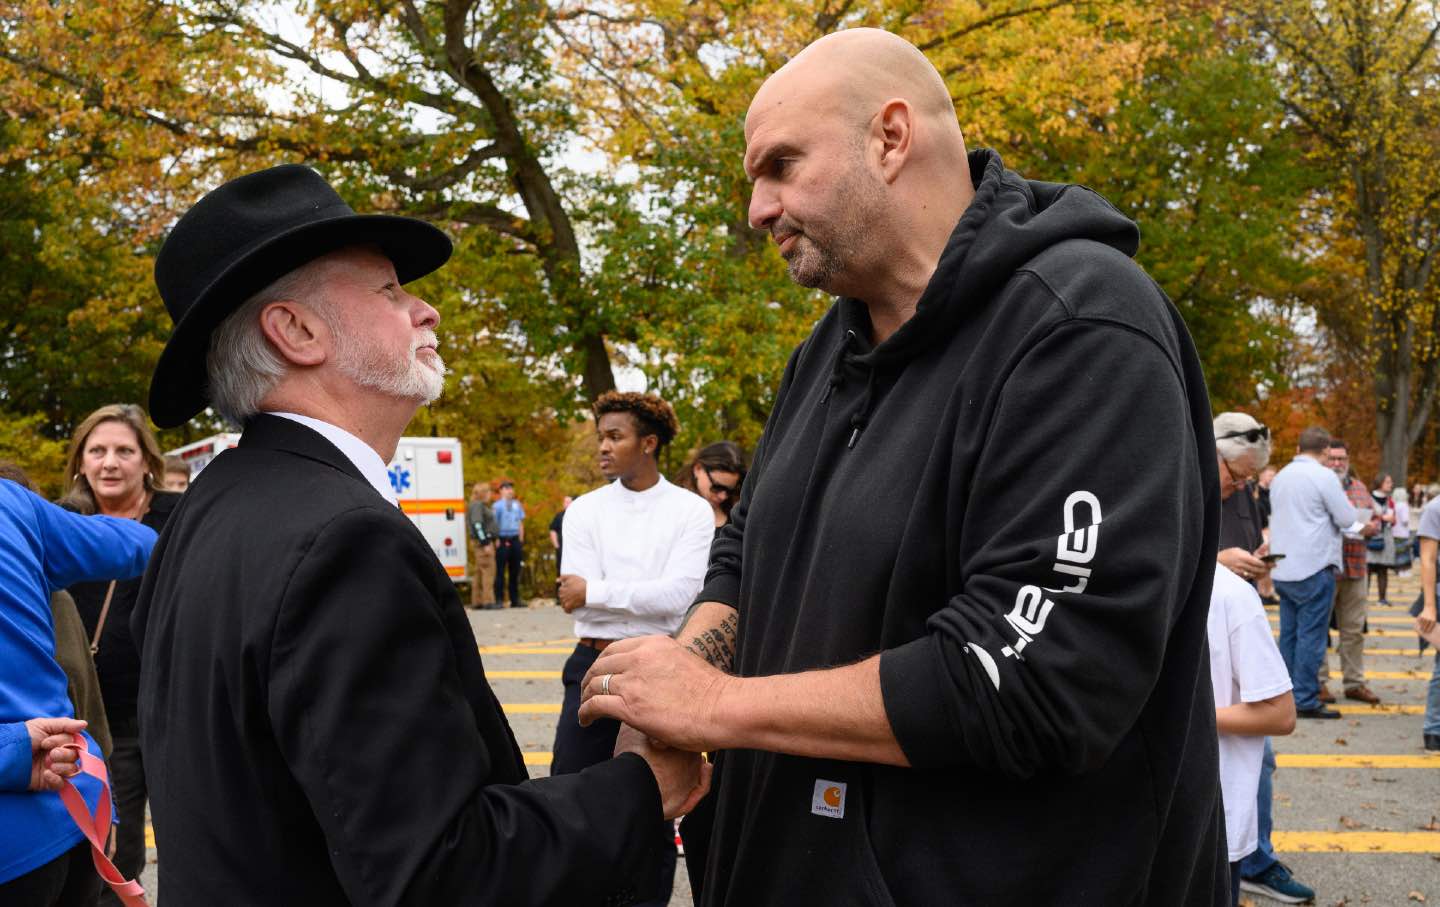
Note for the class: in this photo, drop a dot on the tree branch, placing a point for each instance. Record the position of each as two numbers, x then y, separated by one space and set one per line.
447 178
480 214
996 19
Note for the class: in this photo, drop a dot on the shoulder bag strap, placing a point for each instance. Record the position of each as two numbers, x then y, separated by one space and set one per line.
100 625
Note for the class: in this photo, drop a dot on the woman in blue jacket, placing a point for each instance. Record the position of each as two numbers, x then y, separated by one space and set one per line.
44 859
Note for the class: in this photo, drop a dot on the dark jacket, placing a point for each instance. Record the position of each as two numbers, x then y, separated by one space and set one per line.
118 661
480 522
1014 500
1241 522
316 722
72 651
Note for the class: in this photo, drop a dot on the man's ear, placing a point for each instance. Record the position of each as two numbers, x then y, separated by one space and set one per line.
297 332
894 127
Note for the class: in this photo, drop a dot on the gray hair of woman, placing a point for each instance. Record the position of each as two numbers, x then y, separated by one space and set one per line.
1242 439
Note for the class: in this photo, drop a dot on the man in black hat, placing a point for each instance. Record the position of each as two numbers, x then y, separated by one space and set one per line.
316 720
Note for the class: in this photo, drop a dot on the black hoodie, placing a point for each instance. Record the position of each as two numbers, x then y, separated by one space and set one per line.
1014 498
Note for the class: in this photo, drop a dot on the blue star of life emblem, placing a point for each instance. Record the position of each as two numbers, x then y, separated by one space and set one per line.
399 478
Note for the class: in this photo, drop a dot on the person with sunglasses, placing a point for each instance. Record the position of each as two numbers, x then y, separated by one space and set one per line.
1242 447
716 473
634 557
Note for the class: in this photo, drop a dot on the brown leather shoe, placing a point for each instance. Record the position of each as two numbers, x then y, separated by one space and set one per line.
1362 693
1325 694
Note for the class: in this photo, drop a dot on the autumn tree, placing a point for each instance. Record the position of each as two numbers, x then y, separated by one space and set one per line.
1198 152
664 88
1359 78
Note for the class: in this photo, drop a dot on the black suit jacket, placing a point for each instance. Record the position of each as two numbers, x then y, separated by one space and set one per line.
316 723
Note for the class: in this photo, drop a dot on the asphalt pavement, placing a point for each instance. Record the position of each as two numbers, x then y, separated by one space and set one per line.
1357 801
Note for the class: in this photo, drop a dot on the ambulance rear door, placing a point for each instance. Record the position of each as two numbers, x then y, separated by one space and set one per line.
427 479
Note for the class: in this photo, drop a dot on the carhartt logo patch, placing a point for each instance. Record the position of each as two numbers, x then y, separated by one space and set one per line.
828 799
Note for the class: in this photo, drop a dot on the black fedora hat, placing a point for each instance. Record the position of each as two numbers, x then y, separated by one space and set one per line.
242 237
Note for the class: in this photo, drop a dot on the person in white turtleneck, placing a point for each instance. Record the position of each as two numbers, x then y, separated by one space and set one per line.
635 555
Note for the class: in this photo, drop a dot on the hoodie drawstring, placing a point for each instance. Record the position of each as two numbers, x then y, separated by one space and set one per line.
837 372
861 418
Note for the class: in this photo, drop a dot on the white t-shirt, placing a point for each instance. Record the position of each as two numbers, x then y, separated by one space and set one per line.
1245 666
643 555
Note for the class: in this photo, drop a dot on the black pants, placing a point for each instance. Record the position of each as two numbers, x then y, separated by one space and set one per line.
1235 883
127 785
508 553
577 748
69 880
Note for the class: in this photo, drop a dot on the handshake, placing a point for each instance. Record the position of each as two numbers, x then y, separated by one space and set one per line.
666 698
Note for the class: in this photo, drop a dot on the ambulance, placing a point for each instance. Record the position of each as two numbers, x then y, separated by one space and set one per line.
425 476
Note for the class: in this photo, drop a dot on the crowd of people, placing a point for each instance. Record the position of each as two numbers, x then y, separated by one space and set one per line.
961 600
1313 533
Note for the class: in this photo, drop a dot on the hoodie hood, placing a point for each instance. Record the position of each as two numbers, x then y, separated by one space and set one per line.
1010 221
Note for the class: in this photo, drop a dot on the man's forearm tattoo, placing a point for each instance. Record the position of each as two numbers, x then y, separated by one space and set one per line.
717 644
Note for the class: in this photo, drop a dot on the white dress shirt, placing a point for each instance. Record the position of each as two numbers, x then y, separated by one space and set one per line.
642 554
1308 512
362 455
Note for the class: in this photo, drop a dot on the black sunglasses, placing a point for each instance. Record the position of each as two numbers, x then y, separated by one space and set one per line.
729 491
1252 435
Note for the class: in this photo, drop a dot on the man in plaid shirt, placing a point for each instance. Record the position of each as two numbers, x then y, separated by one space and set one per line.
1350 604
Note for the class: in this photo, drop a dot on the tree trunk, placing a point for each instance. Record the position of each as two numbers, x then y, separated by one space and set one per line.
1392 421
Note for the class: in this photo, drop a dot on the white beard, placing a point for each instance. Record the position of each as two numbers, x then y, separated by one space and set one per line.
408 379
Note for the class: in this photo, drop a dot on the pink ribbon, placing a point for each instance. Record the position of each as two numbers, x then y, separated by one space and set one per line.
97 827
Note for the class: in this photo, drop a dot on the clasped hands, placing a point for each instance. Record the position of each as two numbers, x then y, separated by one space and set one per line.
668 699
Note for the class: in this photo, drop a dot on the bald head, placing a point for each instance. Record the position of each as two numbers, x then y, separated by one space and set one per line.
858 165
851 74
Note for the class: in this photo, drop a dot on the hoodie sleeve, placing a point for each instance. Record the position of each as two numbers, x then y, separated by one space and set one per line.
1080 535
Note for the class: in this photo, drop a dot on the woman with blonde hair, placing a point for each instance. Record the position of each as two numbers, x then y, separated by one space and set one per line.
115 468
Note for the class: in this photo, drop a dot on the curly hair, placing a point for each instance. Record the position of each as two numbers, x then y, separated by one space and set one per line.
652 414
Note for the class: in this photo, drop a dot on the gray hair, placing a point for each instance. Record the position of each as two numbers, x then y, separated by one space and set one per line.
1236 449
241 365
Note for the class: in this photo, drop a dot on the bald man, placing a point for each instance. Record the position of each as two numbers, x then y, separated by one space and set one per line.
952 641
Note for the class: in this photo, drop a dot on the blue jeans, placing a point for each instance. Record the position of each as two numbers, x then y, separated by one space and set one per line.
1258 861
1432 700
1304 627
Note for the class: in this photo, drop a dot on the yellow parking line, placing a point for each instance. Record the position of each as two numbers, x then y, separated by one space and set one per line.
524 650
541 645
1389 675
537 758
1410 652
1390 707
531 708
543 675
1355 760
1357 841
